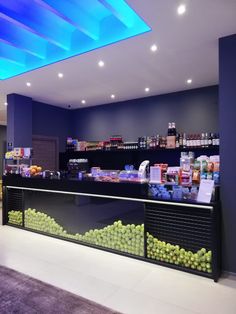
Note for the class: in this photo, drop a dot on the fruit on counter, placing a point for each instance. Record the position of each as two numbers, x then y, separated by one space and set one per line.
166 252
35 170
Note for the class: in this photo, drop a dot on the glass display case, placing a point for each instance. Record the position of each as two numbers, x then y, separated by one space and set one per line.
118 217
108 223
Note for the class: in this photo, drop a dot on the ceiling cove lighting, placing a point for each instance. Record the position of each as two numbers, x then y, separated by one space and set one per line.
36 33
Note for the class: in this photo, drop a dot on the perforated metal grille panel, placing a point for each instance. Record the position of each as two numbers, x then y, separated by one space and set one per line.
14 199
190 228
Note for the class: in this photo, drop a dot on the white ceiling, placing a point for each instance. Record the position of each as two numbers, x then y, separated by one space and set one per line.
187 48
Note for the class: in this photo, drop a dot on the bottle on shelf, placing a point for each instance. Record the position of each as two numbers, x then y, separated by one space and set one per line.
210 138
199 140
184 140
173 128
177 145
169 131
153 142
148 142
206 139
188 140
203 140
217 139
195 140
213 139
171 136
157 141
181 140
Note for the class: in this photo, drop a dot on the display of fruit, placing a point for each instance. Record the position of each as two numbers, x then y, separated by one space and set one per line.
166 252
15 217
126 238
35 170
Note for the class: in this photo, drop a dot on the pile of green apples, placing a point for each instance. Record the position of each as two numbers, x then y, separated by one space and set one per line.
15 217
126 238
166 252
42 222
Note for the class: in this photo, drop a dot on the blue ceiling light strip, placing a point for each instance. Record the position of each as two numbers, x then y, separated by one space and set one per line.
35 33
74 14
22 39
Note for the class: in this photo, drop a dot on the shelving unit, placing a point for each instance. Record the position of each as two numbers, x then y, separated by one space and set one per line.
16 163
117 159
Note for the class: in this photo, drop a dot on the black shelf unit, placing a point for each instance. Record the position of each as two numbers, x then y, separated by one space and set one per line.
117 159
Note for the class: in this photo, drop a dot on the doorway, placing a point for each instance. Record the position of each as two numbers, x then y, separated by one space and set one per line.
45 152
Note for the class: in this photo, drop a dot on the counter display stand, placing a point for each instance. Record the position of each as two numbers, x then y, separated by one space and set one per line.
16 164
119 218
117 159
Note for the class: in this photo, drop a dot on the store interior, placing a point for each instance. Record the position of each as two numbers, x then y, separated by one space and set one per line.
112 107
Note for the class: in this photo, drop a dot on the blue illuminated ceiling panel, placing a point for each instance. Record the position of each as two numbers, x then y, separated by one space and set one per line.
35 33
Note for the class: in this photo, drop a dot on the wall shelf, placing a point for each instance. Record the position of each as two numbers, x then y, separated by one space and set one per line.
117 159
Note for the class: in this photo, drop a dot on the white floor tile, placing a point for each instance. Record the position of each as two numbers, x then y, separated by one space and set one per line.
112 268
122 283
196 292
131 302
58 275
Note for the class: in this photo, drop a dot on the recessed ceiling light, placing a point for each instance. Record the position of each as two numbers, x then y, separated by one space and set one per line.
83 101
147 89
101 63
5 103
28 84
189 81
181 9
113 96
153 48
60 75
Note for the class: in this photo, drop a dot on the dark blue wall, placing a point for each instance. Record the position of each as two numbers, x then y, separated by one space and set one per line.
193 110
51 121
3 137
19 120
26 117
227 114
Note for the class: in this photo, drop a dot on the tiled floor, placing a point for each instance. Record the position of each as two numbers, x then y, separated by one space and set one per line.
121 283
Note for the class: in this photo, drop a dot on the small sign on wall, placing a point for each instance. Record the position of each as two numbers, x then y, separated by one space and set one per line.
9 146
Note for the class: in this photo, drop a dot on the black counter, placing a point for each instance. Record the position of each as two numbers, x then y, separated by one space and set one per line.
117 217
132 190
117 189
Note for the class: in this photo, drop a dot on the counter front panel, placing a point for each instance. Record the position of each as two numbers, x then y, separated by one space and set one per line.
184 236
